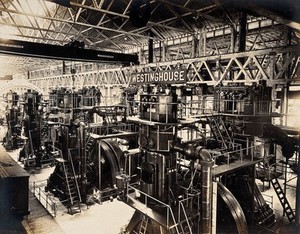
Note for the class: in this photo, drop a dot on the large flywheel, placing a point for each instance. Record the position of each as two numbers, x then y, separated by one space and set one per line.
110 158
234 207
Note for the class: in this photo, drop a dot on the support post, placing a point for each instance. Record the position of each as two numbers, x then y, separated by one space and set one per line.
233 39
243 32
164 51
150 47
202 42
141 60
194 47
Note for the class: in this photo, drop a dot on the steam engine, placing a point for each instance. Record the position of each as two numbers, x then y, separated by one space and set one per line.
12 139
35 152
88 161
185 162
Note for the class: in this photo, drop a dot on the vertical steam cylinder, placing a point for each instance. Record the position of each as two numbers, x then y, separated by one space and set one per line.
158 164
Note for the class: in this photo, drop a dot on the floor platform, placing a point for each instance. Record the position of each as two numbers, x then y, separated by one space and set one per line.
39 220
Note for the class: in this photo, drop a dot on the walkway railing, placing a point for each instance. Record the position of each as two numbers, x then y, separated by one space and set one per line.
46 199
172 220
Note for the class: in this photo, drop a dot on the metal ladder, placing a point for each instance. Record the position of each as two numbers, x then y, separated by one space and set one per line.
89 145
215 124
74 199
144 225
284 202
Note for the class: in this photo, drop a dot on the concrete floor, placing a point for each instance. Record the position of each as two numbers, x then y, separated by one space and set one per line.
282 225
107 218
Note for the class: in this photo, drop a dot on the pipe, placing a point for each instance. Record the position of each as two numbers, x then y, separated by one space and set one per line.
206 191
281 138
82 127
206 162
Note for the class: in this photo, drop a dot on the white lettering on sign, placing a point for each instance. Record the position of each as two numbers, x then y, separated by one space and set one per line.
171 76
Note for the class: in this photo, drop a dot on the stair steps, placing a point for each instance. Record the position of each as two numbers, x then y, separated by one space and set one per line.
219 131
284 202
74 198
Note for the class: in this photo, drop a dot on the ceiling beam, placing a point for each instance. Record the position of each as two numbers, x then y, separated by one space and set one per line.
71 22
163 23
75 4
70 53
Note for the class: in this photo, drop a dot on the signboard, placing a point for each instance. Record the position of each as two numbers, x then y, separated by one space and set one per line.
169 76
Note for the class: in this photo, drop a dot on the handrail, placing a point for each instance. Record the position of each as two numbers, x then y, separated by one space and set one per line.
184 213
147 198
229 106
55 148
239 151
39 193
170 213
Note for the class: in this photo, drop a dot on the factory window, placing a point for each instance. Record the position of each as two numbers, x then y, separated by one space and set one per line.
294 107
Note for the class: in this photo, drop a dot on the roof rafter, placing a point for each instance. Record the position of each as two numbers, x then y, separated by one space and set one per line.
163 22
71 22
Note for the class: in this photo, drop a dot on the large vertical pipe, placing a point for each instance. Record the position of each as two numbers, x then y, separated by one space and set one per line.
206 162
206 197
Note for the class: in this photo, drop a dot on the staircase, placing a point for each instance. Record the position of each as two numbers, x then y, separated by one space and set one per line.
74 198
284 202
219 131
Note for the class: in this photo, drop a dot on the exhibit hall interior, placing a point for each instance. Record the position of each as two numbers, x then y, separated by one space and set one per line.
149 116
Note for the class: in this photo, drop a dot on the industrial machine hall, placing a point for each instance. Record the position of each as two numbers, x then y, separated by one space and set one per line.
149 116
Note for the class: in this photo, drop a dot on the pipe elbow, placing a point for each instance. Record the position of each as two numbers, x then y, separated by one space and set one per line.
193 152
203 154
82 124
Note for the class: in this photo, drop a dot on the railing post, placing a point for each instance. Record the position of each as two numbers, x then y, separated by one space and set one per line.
179 211
34 188
146 200
168 216
54 209
46 201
